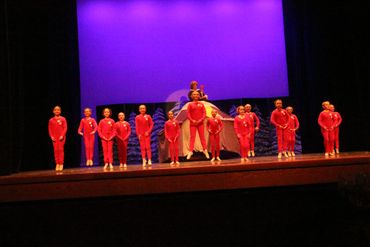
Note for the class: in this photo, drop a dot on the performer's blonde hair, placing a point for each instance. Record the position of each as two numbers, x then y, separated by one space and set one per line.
325 103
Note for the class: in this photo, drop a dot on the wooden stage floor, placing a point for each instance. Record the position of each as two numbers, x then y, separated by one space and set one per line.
258 172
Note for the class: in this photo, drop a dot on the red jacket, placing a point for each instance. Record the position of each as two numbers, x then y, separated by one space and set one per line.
123 130
293 122
87 125
337 119
279 118
106 129
172 129
57 127
143 123
214 125
241 125
326 119
196 111
253 119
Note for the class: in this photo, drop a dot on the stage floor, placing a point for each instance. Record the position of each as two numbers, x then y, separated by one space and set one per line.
267 171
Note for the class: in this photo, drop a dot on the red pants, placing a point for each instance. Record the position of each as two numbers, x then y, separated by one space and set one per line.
59 151
89 146
244 145
107 151
251 139
290 137
193 129
328 136
214 139
336 137
145 147
174 150
281 135
122 151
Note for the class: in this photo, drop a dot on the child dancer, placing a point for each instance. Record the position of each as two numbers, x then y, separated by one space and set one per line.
144 125
242 127
293 125
57 132
214 126
326 122
87 129
172 133
107 132
337 122
123 131
196 113
255 126
280 118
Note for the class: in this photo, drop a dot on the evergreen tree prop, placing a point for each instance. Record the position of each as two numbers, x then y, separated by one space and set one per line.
159 119
298 143
262 139
232 111
176 108
133 149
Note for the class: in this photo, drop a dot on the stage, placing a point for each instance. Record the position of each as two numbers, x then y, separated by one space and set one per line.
258 172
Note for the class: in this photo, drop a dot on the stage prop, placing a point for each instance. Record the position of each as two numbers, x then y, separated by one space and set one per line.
228 139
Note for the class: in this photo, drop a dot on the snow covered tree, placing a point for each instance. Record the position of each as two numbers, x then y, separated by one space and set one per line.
232 111
159 119
262 138
133 148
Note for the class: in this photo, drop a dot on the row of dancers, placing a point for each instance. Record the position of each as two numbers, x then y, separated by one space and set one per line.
246 123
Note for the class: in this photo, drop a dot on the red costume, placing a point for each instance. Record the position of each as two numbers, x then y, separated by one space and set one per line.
57 132
214 126
123 131
242 127
326 122
255 123
196 112
293 125
337 122
107 132
88 127
280 119
172 133
144 125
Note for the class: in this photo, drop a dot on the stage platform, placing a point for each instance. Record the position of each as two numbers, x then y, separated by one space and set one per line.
258 172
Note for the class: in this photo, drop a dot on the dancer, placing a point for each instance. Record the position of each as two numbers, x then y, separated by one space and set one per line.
57 132
123 131
337 121
255 126
87 129
326 122
242 128
214 126
172 133
196 114
280 118
107 132
293 126
144 125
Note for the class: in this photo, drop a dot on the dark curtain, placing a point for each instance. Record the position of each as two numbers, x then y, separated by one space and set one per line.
328 56
39 69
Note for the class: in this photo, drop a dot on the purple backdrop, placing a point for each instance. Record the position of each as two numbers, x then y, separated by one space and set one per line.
148 51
